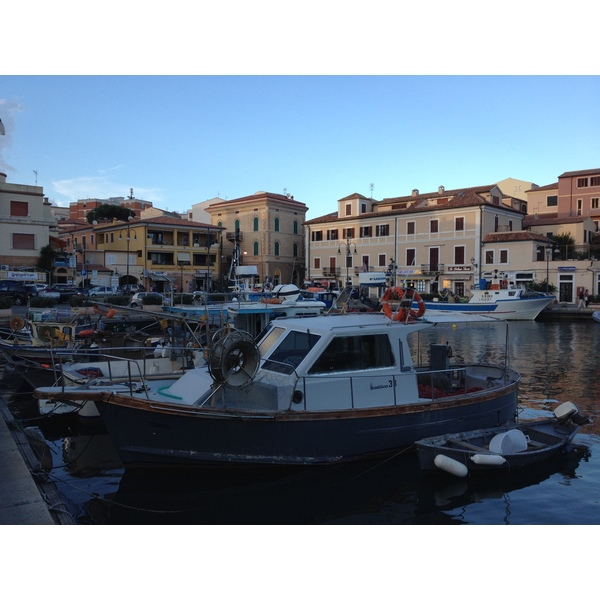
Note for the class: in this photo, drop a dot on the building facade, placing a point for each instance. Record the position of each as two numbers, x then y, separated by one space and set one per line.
270 231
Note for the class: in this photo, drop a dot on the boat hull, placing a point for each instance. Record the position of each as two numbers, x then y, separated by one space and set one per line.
146 433
523 309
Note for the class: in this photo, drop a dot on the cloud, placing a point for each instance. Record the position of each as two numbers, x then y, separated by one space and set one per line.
8 109
101 188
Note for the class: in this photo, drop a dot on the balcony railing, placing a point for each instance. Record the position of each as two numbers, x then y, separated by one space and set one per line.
331 272
432 270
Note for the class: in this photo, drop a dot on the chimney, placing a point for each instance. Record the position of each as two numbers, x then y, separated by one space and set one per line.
415 192
441 189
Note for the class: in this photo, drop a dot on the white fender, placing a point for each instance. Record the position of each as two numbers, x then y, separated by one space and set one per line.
441 461
488 459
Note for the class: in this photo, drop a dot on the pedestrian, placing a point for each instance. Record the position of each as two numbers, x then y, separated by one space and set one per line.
586 297
581 299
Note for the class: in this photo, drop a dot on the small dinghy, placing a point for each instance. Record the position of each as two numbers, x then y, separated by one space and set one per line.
505 447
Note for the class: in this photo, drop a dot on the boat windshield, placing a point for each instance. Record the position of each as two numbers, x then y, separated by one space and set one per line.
290 352
355 353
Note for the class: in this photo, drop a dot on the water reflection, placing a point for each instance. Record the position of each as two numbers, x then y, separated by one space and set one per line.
558 362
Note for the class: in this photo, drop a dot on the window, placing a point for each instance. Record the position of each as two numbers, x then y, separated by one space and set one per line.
363 207
582 182
489 257
295 250
317 263
496 223
237 225
348 232
459 224
411 255
410 228
551 200
290 352
366 232
381 260
255 248
595 181
23 241
348 210
459 255
296 227
276 223
579 206
594 203
317 236
19 209
332 234
255 223
504 257
382 230
434 226
355 353
276 248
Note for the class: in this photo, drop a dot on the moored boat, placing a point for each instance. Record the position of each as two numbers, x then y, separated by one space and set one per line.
507 447
311 390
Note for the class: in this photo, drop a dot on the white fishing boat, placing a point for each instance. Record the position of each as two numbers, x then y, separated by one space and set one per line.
311 390
497 298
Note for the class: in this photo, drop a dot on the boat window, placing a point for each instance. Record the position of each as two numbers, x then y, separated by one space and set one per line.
355 353
290 352
269 339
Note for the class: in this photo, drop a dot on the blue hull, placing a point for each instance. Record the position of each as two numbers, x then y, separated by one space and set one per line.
163 435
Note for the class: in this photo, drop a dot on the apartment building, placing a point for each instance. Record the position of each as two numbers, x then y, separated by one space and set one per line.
269 229
429 240
25 224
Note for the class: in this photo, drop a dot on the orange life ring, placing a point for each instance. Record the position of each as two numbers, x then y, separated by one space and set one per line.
504 284
402 314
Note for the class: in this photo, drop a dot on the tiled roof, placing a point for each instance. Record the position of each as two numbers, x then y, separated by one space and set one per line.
259 196
446 193
550 219
578 173
550 186
514 236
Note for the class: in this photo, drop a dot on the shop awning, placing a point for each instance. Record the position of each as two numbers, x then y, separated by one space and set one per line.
160 277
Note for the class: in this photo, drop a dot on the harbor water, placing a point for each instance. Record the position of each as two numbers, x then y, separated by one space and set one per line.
558 361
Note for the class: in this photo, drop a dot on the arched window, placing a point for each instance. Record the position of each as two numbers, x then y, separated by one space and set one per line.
255 248
295 250
276 223
255 223
237 225
276 248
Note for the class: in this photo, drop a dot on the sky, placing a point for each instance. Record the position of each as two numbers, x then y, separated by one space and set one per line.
103 109
180 140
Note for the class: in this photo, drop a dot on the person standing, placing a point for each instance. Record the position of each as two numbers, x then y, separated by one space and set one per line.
586 297
581 299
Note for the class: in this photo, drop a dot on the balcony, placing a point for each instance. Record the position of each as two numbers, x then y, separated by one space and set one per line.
230 236
331 272
432 270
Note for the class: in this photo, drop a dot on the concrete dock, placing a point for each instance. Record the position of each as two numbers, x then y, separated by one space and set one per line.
27 497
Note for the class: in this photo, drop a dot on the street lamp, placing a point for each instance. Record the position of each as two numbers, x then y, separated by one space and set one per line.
128 240
348 244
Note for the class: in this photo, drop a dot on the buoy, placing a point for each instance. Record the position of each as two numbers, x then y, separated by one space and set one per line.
441 461
454 326
494 460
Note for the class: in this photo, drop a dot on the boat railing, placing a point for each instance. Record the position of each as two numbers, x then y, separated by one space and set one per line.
138 368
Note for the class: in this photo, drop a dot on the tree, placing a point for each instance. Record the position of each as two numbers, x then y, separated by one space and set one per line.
108 212
45 261
565 242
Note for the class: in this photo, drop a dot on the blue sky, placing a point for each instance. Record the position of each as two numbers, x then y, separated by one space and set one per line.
100 126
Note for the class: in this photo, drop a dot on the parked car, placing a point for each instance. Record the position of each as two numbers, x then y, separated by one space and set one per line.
62 293
32 289
103 291
16 291
131 288
137 299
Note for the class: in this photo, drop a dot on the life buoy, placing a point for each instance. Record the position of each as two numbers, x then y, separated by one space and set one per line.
16 323
504 284
396 294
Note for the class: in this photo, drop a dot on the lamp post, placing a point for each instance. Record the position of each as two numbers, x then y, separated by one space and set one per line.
349 245
127 258
391 272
